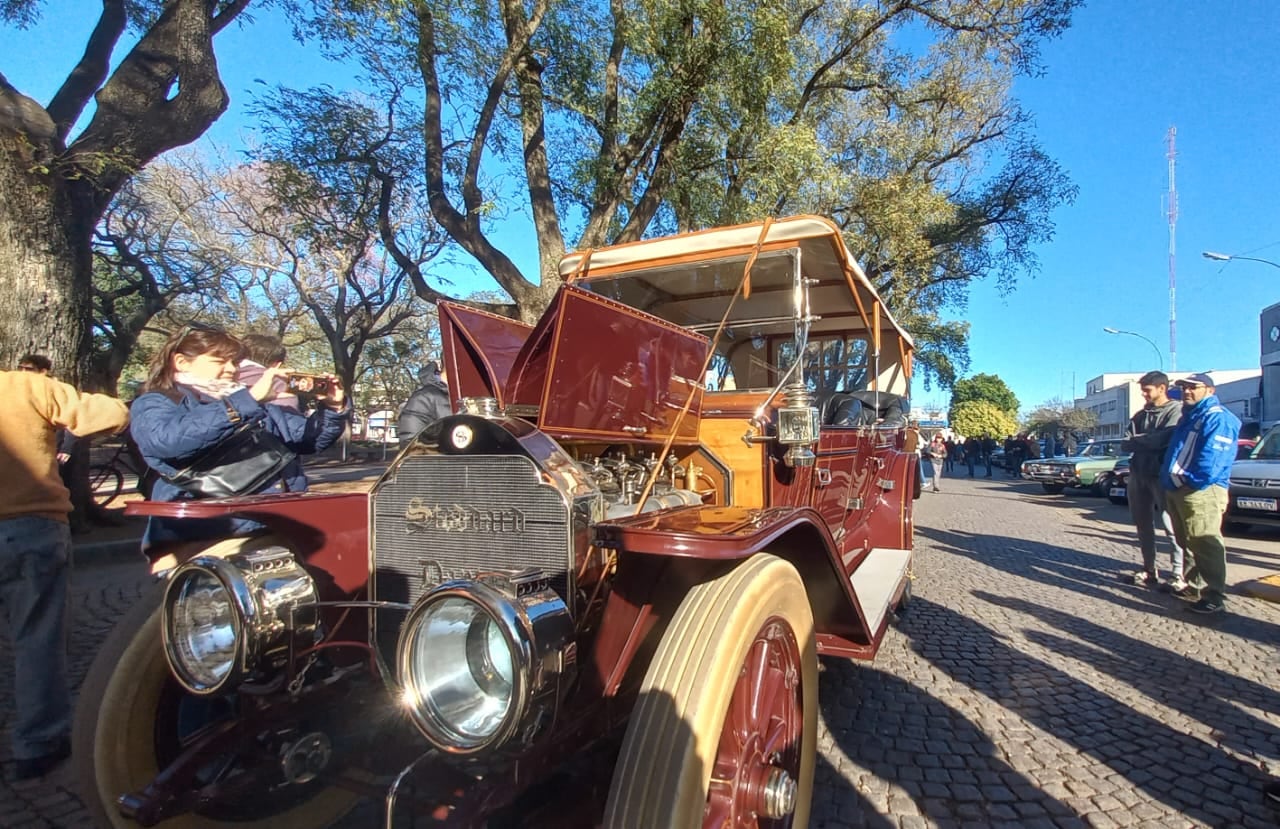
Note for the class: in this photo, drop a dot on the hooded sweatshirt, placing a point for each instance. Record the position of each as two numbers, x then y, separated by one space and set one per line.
1147 436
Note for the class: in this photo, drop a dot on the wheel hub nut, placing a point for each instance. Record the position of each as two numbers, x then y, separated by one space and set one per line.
779 795
302 760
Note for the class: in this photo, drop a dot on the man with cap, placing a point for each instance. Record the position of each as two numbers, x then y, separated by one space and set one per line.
426 405
1195 474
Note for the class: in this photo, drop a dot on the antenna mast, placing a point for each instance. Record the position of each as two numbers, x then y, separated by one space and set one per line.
1172 155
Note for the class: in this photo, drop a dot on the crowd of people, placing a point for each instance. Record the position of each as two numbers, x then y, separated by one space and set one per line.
952 451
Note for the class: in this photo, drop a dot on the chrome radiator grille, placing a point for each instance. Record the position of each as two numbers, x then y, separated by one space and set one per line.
449 516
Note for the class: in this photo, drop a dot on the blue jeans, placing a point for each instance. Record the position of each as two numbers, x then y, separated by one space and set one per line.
35 567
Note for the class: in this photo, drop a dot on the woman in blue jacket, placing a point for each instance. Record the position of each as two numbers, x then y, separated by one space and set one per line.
191 402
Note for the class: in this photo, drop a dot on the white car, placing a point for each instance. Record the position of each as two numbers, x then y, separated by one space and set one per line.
1255 484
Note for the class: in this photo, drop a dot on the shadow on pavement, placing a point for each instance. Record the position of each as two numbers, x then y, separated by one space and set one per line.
1051 565
1190 774
1199 691
918 747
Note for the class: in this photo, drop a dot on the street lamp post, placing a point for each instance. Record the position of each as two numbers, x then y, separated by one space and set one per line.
1154 347
1227 257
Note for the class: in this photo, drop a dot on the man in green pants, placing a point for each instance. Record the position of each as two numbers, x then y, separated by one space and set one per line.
1196 471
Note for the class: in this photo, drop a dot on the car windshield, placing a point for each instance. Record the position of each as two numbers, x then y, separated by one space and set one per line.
1269 447
1101 450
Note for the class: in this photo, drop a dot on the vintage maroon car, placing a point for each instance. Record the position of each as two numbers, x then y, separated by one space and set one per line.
608 576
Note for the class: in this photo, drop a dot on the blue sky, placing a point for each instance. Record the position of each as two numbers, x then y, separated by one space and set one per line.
1113 85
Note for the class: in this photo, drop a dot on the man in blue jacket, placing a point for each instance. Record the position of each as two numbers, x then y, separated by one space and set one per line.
1196 470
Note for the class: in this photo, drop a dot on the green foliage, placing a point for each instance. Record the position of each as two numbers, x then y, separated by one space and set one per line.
1056 415
976 417
986 387
617 121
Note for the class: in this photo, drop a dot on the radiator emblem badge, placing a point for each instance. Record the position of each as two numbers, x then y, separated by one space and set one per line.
462 436
456 518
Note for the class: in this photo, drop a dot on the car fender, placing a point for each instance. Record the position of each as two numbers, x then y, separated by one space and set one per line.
661 554
328 532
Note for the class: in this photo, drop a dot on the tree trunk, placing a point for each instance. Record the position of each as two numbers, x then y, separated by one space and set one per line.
45 262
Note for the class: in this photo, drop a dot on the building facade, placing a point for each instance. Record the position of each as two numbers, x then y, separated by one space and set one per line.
1270 364
1116 397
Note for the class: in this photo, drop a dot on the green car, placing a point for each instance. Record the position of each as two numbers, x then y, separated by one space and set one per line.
1081 470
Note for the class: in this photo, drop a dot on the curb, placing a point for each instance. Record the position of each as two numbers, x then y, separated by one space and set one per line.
1266 588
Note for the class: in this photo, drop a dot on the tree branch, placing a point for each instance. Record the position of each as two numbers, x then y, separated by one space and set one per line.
464 229
137 117
76 91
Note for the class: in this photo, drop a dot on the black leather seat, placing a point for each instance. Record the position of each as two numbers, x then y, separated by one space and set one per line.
892 408
883 408
842 409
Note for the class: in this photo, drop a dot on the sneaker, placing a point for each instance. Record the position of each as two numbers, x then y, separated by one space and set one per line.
1187 593
1208 606
1174 586
1145 579
32 767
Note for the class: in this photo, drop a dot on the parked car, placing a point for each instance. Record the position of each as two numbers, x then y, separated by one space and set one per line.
1116 482
586 596
1254 493
1080 471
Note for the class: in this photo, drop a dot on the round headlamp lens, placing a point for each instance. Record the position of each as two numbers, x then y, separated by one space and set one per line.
459 671
203 629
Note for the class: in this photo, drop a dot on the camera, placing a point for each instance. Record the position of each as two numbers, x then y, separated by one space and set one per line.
309 383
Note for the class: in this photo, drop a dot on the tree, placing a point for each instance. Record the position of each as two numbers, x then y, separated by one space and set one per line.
153 248
978 417
610 121
1056 416
985 387
55 187
297 256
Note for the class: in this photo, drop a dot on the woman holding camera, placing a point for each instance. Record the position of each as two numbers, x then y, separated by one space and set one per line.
191 403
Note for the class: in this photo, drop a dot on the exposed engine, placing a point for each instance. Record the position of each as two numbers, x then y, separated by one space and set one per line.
621 480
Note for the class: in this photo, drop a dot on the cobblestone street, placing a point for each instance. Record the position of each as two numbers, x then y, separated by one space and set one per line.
1026 685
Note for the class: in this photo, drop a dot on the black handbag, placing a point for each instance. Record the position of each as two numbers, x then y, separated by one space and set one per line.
243 462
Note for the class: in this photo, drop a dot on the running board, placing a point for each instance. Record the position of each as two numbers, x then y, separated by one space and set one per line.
875 582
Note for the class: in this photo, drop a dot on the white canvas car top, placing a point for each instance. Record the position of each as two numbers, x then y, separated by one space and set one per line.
689 278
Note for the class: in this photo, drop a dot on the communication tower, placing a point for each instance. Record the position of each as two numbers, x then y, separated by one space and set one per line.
1172 213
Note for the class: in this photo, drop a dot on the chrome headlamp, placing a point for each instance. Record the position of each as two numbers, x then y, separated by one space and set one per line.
226 618
482 663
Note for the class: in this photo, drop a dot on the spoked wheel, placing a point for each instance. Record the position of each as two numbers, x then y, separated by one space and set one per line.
724 732
133 718
105 482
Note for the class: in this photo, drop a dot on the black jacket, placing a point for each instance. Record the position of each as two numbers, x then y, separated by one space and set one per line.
425 406
1147 436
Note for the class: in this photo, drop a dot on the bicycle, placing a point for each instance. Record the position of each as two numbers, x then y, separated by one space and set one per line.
106 479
